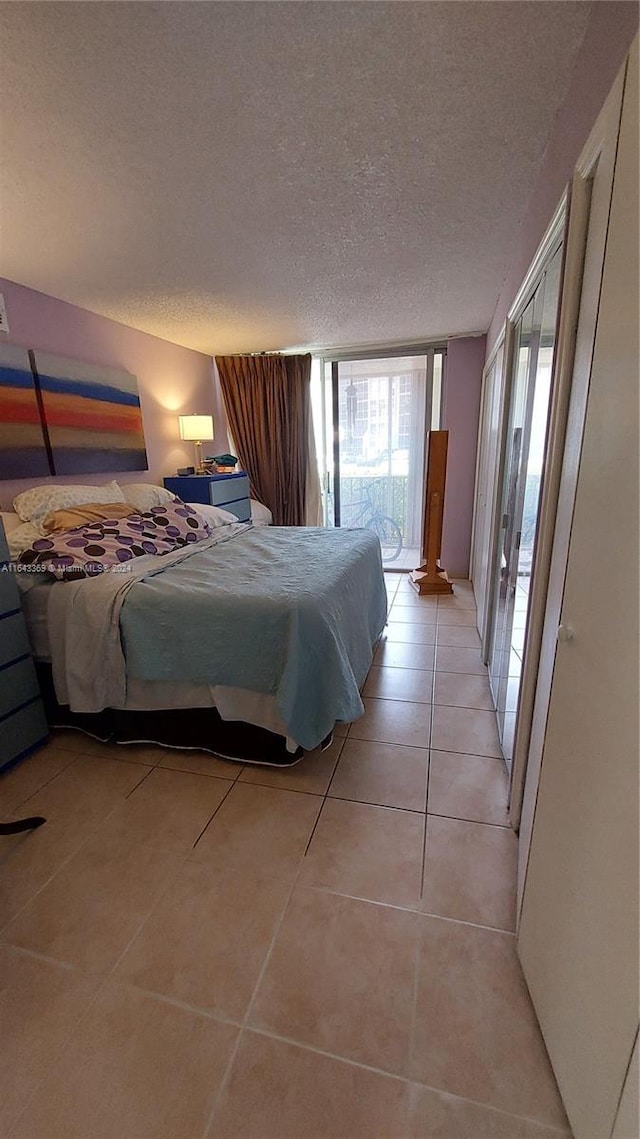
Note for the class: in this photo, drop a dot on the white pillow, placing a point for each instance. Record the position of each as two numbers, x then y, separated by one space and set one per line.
21 537
260 515
33 505
214 515
9 520
144 495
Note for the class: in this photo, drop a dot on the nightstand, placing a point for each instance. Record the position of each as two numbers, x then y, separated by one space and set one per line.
23 726
231 492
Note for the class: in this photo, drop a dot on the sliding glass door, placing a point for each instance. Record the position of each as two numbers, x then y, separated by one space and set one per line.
376 414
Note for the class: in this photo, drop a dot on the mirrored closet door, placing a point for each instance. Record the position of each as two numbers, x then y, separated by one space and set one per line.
534 341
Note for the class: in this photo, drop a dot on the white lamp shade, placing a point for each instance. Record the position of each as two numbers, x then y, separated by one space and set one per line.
194 428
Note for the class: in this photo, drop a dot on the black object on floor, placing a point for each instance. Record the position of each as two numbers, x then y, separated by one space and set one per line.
22 825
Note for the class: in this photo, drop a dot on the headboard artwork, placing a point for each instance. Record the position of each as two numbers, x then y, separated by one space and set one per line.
64 417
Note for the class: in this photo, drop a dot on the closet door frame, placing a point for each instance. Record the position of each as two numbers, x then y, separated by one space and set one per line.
580 292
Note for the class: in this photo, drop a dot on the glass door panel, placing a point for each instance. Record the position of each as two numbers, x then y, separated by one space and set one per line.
376 414
535 338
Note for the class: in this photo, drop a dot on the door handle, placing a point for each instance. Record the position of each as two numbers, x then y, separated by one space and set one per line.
565 633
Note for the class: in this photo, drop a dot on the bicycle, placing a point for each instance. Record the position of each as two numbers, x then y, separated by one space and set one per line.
386 529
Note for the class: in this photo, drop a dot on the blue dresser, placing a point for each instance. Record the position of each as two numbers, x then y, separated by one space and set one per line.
231 492
23 726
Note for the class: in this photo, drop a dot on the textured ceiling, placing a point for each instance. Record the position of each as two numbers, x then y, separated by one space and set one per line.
246 176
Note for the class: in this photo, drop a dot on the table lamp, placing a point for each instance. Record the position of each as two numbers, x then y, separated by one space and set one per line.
195 428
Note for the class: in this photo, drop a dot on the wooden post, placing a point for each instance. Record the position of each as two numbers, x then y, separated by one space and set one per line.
430 577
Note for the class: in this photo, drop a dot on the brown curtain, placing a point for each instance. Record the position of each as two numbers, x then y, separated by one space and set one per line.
267 399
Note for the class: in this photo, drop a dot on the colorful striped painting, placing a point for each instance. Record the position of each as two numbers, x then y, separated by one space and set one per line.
22 447
92 416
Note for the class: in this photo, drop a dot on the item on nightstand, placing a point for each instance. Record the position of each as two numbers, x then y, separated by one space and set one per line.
222 464
186 471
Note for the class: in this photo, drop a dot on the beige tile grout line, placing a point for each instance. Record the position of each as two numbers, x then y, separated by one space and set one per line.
405 1080
245 1021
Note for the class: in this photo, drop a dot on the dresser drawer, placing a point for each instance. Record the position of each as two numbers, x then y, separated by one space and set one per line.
14 641
9 595
21 732
232 494
228 489
4 549
190 488
18 683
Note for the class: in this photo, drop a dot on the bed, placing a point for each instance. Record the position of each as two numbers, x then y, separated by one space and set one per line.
250 642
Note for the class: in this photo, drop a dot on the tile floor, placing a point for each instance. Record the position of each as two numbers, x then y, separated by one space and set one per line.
191 949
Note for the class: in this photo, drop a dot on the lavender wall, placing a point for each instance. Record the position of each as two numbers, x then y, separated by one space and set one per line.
171 379
610 32
460 415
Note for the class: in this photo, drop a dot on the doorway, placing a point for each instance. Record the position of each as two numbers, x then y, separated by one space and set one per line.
534 340
376 413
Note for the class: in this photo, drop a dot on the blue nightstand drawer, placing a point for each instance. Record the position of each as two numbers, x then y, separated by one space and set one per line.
18 684
14 641
21 732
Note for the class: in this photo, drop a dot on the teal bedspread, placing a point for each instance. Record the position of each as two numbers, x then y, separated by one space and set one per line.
290 612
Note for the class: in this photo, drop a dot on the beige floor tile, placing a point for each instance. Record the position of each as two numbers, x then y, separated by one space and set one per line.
450 616
410 633
393 722
436 1115
94 905
459 636
40 1003
413 614
459 599
470 872
462 690
207 939
281 1091
386 774
395 654
30 775
70 739
86 791
366 851
168 811
312 774
136 1067
260 827
399 684
452 659
29 860
341 978
466 730
200 763
476 1034
468 787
